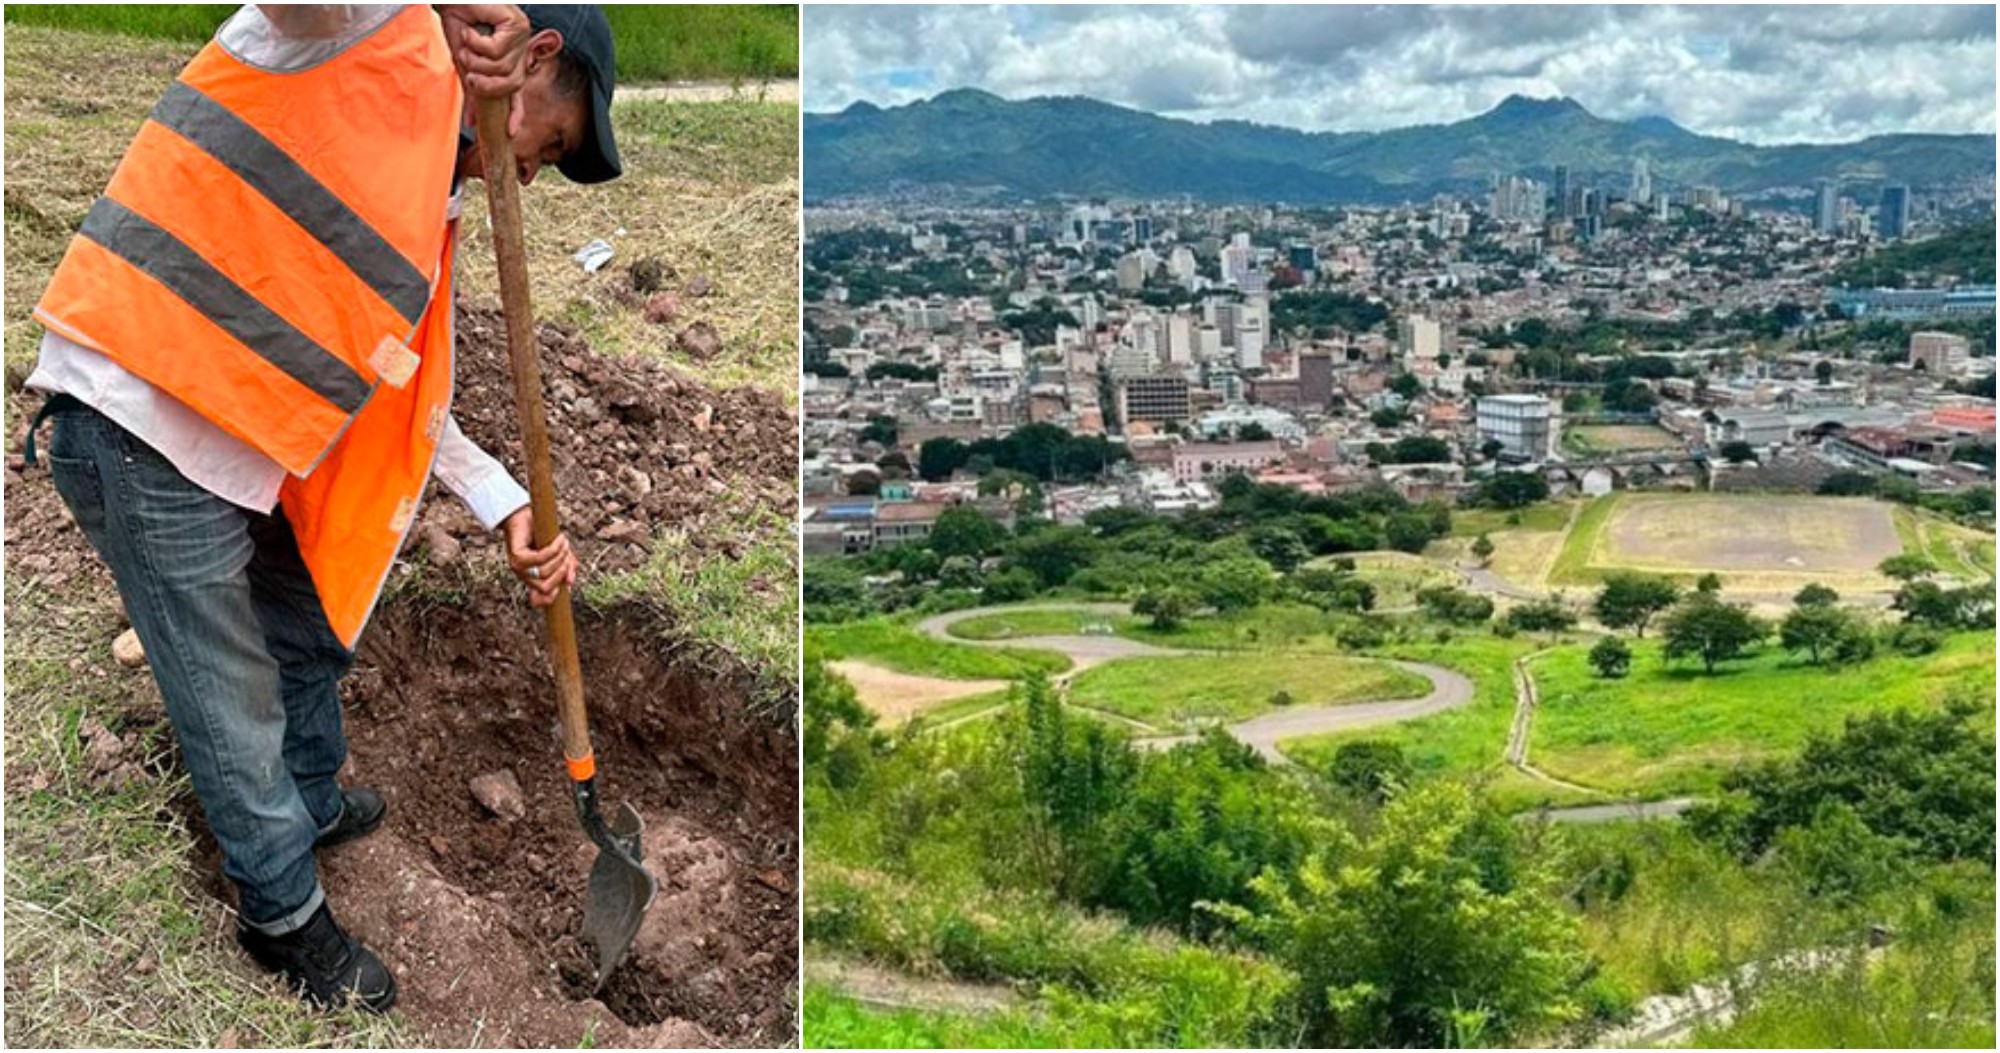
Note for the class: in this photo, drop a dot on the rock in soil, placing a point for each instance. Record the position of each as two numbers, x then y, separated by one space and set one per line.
700 340
662 308
127 649
499 792
700 286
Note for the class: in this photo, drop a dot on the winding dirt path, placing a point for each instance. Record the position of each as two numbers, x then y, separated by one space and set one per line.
1449 689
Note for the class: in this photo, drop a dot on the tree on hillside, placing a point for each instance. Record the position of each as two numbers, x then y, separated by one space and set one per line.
1235 583
938 458
1814 629
1167 608
1816 595
1390 930
965 531
1709 629
830 706
1370 769
1922 778
1053 554
1541 616
1512 490
1611 658
1708 584
1629 600
1907 567
1482 549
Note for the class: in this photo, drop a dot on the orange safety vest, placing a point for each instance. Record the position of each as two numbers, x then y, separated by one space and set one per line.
274 252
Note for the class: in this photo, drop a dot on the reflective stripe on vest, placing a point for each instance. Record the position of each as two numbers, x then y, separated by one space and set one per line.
269 245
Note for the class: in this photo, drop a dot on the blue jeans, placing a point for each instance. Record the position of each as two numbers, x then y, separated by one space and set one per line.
239 644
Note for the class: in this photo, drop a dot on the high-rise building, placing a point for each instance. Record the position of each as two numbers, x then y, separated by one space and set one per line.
1524 425
1826 208
1142 229
1181 264
1517 199
1895 219
1237 259
1303 257
1420 337
1562 191
1642 182
1180 339
1131 271
1250 343
1153 399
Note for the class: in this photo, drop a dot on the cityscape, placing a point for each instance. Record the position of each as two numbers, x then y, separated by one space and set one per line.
1508 567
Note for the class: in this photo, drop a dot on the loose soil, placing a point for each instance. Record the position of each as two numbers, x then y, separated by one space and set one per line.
480 916
897 697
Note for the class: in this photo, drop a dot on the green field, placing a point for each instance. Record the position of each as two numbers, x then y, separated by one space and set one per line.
1472 522
1669 729
655 42
834 1021
895 644
1604 439
1009 625
1468 741
1176 692
1397 576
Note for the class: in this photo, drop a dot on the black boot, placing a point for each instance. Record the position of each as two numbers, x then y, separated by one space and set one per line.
323 964
361 812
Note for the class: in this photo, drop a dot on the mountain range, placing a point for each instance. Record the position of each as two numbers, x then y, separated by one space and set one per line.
969 143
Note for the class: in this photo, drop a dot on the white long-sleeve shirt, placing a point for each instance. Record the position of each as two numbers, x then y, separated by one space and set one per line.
208 456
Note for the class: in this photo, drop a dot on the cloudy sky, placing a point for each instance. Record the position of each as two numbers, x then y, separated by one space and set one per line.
1759 74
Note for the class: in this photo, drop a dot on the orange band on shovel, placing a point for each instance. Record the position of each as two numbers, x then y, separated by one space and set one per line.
582 768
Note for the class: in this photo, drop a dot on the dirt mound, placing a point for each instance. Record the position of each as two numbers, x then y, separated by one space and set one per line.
480 915
637 445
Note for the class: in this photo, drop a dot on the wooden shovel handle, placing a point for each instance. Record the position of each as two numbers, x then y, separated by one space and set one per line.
503 196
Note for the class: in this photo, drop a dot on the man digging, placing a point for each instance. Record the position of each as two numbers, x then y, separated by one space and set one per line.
249 358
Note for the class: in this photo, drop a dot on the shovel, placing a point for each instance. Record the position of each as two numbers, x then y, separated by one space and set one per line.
620 889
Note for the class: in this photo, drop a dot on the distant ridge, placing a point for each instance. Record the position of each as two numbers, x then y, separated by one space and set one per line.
973 143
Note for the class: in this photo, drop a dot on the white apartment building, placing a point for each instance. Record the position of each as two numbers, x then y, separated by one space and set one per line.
1524 425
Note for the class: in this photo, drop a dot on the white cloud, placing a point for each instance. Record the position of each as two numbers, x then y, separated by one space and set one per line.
1761 74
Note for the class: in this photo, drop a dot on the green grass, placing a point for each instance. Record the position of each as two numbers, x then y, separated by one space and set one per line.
111 938
895 644
960 708
1955 550
1397 576
1009 625
1546 517
1169 692
1573 562
732 141
835 1021
744 601
1669 729
654 41
1292 627
1471 740
1935 996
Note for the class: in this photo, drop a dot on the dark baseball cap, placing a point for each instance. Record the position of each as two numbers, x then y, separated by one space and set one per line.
586 41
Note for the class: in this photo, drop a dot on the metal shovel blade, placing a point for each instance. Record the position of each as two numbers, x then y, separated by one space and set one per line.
620 892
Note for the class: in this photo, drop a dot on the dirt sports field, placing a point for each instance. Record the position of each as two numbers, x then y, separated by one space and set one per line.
676 459
1750 533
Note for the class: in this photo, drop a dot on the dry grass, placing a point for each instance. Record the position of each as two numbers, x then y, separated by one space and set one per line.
710 190
111 939
1758 543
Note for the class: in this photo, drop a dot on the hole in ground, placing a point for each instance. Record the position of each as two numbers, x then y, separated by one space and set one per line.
481 917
